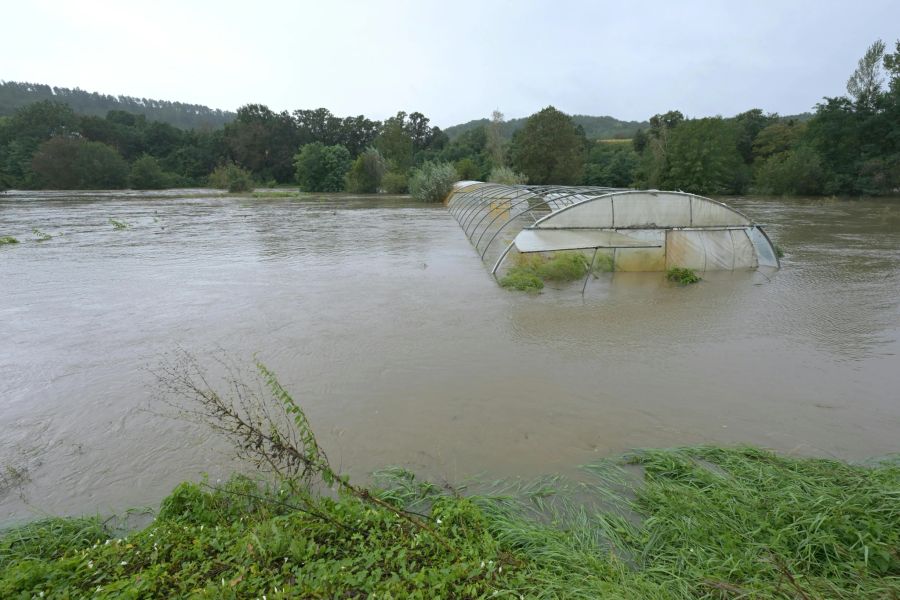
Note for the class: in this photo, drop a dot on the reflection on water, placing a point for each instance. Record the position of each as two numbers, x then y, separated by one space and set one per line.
380 318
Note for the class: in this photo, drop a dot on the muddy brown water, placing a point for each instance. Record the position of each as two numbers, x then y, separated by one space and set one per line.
381 320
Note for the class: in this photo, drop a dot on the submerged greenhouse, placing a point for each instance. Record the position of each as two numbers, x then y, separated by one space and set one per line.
629 230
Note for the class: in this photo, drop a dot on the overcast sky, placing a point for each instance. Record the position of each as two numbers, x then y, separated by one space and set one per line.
452 60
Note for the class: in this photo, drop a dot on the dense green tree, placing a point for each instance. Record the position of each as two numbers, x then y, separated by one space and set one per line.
367 172
864 85
549 149
321 168
23 132
146 174
611 165
639 141
660 124
473 144
495 143
778 137
71 163
858 138
702 157
468 169
263 142
395 143
750 124
794 171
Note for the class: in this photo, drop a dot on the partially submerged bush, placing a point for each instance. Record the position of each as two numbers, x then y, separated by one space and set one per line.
41 236
532 270
231 177
8 239
682 275
118 224
395 182
522 279
432 182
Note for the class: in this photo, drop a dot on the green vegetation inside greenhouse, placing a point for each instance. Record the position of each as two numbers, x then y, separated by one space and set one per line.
531 270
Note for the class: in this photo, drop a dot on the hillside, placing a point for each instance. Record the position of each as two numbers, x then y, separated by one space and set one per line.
594 127
14 95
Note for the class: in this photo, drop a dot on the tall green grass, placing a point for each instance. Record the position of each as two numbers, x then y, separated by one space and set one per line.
658 524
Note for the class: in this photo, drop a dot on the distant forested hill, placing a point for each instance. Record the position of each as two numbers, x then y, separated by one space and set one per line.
14 95
594 127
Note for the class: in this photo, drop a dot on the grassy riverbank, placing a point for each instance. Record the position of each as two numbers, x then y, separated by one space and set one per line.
688 523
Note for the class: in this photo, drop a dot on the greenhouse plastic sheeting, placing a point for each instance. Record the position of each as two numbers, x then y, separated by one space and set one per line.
536 240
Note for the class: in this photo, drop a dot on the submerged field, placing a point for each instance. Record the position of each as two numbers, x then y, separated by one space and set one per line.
689 523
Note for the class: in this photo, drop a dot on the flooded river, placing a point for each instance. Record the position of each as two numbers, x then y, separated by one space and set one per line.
380 318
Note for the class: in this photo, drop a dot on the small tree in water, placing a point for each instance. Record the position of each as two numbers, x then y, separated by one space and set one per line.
432 182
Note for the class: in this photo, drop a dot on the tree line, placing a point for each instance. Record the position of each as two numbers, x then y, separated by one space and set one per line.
16 94
849 146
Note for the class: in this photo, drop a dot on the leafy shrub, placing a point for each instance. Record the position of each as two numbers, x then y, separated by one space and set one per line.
395 183
507 176
8 239
231 177
682 275
432 182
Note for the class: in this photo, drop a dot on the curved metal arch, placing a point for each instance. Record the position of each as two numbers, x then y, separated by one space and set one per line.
467 195
513 202
473 203
546 190
530 195
470 215
562 198
502 227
